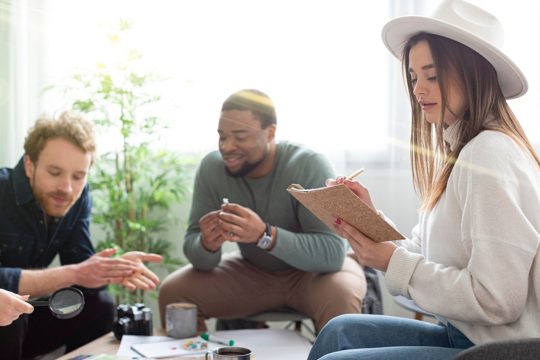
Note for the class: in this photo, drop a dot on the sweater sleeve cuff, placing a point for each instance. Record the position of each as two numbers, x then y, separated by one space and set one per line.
201 258
9 279
400 270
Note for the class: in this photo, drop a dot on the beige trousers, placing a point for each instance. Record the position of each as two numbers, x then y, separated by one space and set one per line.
236 289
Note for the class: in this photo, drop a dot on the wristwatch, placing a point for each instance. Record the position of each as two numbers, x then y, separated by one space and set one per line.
266 239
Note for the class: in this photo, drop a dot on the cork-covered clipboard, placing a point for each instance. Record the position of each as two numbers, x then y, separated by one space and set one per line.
339 201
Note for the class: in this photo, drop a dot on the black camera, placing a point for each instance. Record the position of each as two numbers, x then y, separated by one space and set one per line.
132 320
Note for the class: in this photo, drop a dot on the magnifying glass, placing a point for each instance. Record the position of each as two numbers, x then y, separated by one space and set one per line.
64 303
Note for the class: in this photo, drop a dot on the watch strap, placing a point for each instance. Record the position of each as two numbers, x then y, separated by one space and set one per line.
268 230
266 239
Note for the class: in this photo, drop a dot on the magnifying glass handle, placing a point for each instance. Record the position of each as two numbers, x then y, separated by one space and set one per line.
39 302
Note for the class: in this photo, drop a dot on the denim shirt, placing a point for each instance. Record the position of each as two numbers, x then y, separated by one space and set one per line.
24 239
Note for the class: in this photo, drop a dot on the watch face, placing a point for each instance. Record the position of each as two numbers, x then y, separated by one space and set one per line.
265 242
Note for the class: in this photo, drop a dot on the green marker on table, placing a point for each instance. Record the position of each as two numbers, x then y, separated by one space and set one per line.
217 339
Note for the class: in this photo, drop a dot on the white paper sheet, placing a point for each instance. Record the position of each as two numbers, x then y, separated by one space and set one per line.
173 348
128 340
265 344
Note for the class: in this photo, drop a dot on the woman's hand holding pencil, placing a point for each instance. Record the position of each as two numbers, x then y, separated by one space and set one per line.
357 188
355 174
341 179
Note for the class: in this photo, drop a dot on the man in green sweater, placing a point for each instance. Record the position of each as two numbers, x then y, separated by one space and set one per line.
287 256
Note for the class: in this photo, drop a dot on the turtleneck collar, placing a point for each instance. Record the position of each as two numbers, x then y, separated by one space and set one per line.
451 134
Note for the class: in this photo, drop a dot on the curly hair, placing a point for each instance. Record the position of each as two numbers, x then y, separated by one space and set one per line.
69 126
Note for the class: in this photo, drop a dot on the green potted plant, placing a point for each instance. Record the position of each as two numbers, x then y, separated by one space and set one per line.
134 182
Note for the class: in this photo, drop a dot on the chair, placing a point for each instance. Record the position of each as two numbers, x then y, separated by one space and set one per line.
294 318
372 304
518 349
410 305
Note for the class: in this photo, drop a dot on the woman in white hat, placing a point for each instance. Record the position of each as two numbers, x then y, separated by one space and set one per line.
473 258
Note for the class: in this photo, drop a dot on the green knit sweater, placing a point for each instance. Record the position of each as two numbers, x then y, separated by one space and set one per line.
302 242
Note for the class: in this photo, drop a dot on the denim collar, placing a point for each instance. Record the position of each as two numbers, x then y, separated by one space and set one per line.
21 185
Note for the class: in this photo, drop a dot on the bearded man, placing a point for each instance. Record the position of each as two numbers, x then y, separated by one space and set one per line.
287 257
45 212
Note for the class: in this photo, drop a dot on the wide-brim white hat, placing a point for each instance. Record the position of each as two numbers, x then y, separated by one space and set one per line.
469 25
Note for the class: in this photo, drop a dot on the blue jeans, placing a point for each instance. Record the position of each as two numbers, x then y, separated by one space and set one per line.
386 337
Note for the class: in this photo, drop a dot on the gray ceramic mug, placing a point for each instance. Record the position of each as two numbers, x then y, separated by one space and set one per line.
181 320
229 353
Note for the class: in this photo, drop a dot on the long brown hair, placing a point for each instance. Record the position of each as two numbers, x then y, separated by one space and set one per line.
432 160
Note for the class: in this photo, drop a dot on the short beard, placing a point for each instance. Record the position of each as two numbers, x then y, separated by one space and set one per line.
43 201
245 169
248 167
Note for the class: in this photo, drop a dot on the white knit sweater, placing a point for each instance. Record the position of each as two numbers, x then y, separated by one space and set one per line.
474 258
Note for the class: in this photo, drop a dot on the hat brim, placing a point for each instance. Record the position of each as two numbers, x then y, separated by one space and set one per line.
397 32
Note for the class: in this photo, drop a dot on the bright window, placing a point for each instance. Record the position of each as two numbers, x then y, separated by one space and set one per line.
335 86
321 61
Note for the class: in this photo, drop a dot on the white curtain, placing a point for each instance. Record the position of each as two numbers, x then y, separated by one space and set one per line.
19 75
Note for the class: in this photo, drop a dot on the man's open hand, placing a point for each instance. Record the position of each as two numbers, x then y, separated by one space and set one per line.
142 278
128 270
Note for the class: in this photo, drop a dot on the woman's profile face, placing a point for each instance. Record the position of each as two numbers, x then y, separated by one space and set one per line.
426 89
